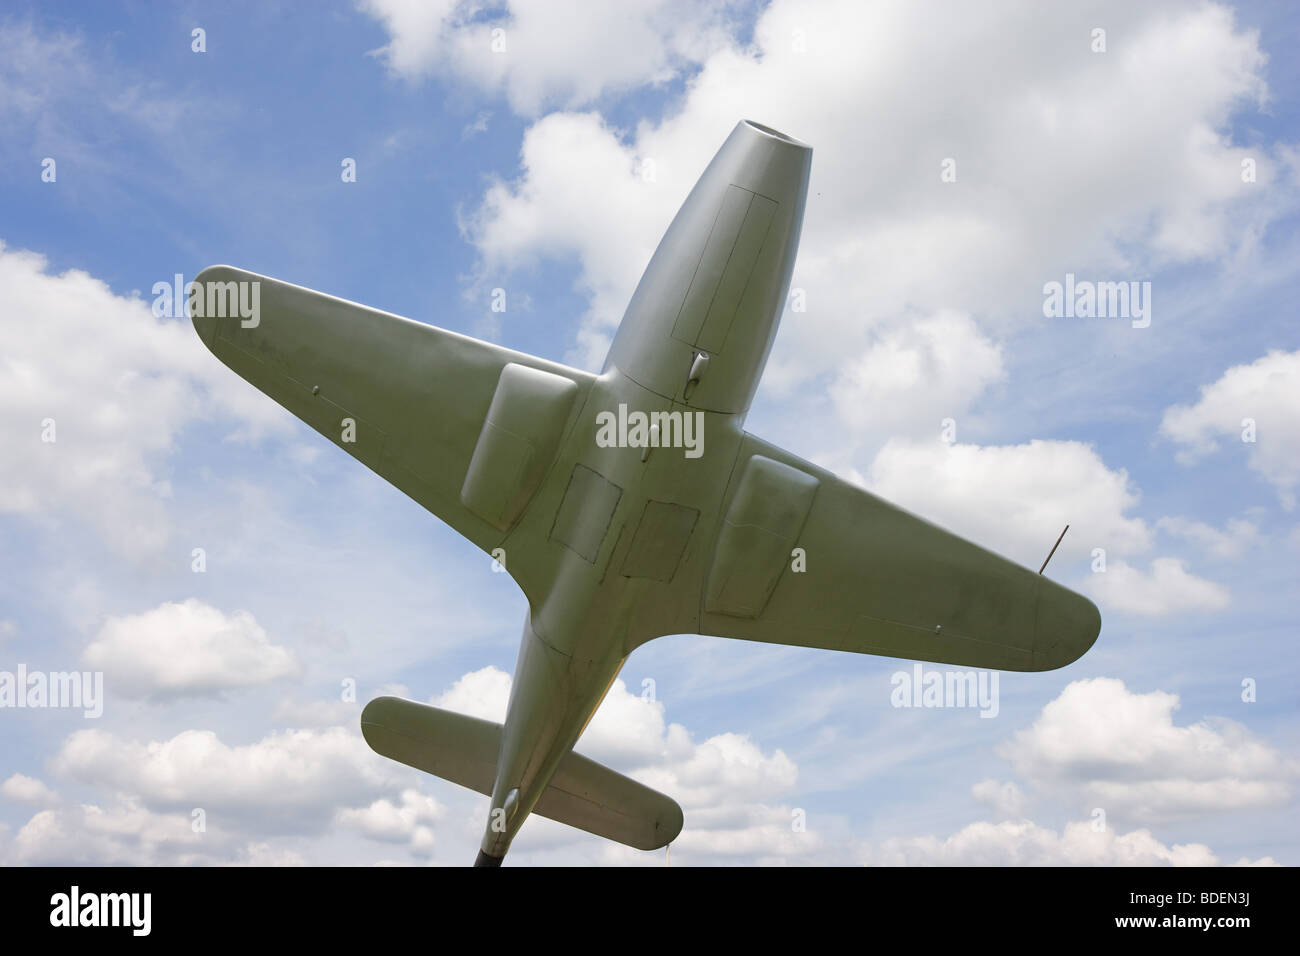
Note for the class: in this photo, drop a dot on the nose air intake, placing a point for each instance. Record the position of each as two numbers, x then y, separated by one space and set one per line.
718 281
777 134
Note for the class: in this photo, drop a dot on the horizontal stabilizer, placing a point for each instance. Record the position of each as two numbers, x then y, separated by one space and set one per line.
464 749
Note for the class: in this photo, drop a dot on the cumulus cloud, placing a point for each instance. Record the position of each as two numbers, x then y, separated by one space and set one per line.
750 832
896 265
916 376
1023 843
913 284
125 834
483 693
187 648
1168 588
555 210
409 820
1256 408
558 52
1105 746
94 391
1097 744
1023 106
1014 499
193 799
291 781
23 789
724 769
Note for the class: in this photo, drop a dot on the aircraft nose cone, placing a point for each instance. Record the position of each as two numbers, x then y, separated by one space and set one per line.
1067 625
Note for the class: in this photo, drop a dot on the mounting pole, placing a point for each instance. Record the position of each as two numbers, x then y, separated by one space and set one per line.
1053 551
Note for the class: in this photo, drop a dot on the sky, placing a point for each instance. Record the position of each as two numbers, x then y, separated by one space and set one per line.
242 588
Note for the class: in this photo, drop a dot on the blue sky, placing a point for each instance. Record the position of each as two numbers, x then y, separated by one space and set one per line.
526 170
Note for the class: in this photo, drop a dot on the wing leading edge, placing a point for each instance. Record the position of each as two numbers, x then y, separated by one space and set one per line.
876 579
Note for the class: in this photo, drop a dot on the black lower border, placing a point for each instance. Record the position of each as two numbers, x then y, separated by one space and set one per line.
926 905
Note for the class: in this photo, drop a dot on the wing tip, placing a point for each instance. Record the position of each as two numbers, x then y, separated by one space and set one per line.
668 826
206 325
1068 625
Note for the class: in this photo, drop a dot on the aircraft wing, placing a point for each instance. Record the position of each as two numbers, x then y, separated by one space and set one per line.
407 400
876 579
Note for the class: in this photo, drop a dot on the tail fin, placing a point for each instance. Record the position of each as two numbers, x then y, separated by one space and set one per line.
463 749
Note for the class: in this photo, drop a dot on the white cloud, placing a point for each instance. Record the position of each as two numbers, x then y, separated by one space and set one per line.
1105 746
257 801
23 789
915 376
565 52
630 730
1097 744
912 284
724 771
751 832
188 648
580 196
1267 391
483 693
118 385
1015 499
1023 843
126 834
1034 127
291 781
410 820
1169 588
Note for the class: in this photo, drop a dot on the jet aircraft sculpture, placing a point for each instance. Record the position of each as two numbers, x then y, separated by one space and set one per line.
632 504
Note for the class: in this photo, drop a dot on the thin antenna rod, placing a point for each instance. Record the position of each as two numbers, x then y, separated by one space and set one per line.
1053 551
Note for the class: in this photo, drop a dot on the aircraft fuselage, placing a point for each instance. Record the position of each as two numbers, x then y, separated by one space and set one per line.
692 344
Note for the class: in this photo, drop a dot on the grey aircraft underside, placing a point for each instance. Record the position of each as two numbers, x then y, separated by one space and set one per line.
632 504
